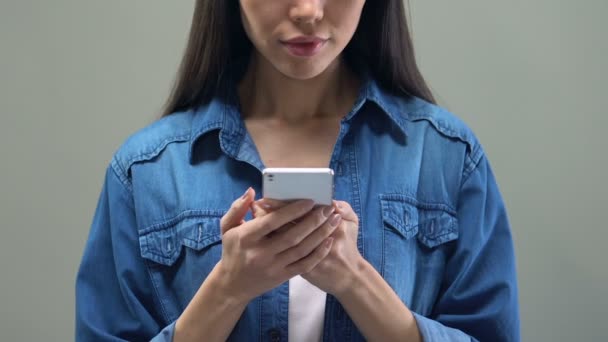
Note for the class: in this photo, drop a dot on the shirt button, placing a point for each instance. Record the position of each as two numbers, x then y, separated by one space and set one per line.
275 335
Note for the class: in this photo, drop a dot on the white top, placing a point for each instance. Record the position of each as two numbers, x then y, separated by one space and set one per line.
306 311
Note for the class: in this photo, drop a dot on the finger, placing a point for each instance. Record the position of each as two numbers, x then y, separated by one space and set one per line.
308 263
311 242
264 225
257 210
236 214
297 233
347 212
274 202
264 206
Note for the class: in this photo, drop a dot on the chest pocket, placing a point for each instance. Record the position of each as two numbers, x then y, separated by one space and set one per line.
180 254
163 243
416 242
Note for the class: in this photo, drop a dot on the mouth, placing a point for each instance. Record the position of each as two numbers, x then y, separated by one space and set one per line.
304 46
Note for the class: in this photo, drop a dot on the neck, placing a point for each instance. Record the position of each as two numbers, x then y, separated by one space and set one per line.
266 93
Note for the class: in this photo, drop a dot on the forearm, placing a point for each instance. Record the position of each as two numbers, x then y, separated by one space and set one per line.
376 309
212 313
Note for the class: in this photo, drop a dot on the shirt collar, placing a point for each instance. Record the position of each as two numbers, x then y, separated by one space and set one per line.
391 105
223 113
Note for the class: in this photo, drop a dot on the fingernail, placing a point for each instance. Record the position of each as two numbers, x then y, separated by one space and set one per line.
335 220
308 202
245 194
328 242
328 211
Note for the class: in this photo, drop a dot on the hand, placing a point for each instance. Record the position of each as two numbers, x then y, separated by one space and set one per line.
335 272
260 254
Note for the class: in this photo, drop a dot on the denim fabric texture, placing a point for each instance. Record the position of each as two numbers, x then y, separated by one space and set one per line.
432 223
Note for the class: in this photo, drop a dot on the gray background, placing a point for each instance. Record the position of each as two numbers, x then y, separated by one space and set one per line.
77 77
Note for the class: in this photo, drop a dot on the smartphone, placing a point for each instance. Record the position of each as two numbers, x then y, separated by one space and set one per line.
289 184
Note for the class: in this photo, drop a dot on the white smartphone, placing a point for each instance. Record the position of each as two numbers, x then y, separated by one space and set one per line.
288 184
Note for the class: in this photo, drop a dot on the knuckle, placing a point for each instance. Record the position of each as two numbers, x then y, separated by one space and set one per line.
320 217
265 224
328 228
252 260
298 253
292 240
297 239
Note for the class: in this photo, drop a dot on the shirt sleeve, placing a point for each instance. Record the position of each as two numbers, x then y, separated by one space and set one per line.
114 295
478 298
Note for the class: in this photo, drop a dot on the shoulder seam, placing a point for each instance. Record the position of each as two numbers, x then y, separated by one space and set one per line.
472 161
474 149
120 173
156 151
122 166
443 129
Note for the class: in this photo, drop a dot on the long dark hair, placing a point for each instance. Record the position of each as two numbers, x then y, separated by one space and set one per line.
381 43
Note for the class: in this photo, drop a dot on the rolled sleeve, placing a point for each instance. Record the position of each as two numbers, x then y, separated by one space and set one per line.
433 331
166 335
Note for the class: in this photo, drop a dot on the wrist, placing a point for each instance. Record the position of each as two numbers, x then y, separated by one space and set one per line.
356 279
223 287
214 305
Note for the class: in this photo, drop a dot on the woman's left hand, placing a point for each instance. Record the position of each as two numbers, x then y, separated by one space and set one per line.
336 272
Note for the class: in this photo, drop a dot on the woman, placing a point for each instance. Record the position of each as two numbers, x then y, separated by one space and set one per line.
416 246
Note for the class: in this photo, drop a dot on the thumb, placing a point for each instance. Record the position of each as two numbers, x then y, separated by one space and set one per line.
236 214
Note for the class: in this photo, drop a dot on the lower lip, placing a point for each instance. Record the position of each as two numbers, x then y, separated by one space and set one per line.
304 49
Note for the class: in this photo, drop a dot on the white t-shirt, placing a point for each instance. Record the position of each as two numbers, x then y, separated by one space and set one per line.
306 311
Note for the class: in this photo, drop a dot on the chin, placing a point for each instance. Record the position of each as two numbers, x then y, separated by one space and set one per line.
303 71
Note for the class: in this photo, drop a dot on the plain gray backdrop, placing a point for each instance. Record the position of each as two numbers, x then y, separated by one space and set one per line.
78 76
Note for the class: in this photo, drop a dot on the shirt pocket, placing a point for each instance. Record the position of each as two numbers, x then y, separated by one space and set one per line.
417 238
163 243
180 254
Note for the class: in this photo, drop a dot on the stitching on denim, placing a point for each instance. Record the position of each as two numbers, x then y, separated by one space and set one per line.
206 129
186 214
443 236
432 242
159 147
157 293
443 128
120 174
261 303
213 239
407 199
397 224
473 160
199 134
357 194
400 121
126 165
383 258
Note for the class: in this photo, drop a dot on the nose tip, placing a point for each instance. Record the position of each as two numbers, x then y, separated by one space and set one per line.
306 12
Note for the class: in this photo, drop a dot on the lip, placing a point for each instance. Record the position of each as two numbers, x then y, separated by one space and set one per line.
304 46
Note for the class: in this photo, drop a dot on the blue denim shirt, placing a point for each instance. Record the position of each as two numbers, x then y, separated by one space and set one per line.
432 223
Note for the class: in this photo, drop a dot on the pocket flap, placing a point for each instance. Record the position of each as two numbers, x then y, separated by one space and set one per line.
163 243
438 227
434 224
399 215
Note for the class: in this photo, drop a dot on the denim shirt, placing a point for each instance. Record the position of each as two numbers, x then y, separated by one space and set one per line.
432 223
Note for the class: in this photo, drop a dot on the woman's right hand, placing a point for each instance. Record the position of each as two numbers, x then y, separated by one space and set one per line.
258 255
